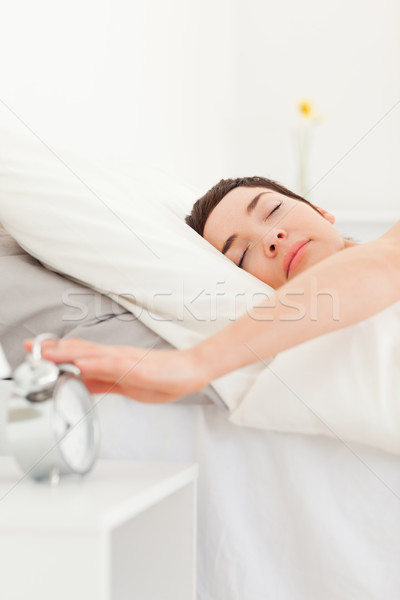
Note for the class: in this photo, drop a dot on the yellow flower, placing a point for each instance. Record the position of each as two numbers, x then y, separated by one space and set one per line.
306 108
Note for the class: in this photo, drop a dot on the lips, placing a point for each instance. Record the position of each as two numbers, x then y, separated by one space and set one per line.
291 255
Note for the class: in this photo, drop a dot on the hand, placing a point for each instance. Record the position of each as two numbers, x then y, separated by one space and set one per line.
146 375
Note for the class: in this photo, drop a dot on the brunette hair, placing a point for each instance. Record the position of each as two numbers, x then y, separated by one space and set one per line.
203 206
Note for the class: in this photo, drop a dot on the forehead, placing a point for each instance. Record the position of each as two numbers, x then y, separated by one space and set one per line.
241 196
230 213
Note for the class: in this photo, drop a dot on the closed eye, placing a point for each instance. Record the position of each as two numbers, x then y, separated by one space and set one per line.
240 265
242 259
272 211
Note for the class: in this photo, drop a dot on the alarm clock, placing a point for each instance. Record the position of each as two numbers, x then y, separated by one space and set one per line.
52 426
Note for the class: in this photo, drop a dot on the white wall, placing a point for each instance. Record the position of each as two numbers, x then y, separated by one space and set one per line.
209 90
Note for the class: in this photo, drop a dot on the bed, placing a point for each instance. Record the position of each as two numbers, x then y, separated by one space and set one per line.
281 515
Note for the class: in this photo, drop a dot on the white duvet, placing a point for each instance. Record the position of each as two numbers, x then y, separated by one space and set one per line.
345 385
126 237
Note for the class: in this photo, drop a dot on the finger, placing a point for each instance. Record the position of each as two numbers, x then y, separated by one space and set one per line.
135 393
28 344
70 350
110 367
100 368
102 387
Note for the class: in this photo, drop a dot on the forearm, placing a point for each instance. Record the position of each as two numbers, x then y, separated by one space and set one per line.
346 288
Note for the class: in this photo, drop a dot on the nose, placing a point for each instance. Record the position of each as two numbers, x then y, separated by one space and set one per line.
272 241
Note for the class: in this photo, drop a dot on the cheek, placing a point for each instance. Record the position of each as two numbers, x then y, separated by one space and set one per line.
321 251
265 271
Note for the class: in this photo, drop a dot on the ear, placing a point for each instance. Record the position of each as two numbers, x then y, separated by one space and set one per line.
326 215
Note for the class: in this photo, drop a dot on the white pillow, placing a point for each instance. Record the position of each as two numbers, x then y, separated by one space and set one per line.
125 237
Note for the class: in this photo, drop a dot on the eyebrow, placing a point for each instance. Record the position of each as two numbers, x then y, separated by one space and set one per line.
250 208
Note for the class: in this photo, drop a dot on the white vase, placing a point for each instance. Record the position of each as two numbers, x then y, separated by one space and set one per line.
303 137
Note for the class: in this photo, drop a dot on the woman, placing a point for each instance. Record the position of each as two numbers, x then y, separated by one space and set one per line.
289 244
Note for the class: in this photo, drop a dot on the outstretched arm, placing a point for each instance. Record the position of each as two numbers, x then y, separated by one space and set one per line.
344 289
341 290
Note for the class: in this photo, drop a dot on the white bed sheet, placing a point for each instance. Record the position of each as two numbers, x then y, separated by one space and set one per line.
280 516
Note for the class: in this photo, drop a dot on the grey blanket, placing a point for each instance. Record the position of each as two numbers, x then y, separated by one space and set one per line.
34 300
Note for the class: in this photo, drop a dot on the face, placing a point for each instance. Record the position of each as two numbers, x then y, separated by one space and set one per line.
271 236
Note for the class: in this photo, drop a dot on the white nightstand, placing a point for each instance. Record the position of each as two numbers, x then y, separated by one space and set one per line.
126 531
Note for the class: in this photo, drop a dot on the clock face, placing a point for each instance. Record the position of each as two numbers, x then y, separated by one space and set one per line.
75 424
